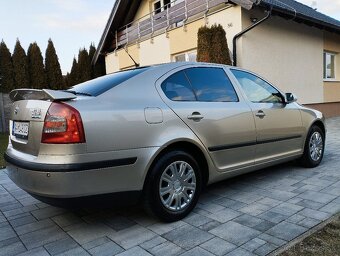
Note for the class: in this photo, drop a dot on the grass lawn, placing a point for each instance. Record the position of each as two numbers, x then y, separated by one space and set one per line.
3 146
325 242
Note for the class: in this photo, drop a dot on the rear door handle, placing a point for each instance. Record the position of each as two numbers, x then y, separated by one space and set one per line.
260 114
195 116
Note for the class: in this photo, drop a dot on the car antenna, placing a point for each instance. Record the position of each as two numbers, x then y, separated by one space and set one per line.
136 64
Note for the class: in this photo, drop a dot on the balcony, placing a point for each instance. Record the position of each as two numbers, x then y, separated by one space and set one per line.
174 14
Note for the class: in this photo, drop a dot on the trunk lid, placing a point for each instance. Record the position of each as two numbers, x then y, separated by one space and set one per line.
27 117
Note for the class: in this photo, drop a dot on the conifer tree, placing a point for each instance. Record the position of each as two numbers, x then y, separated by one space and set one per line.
92 51
52 68
212 45
219 51
203 44
74 75
6 69
36 67
66 79
20 67
98 69
84 66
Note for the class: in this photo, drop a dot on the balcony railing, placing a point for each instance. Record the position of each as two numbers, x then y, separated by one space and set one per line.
161 20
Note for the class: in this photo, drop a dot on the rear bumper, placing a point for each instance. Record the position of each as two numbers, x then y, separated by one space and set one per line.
79 179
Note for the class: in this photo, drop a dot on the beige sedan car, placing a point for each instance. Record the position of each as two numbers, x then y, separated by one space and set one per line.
158 133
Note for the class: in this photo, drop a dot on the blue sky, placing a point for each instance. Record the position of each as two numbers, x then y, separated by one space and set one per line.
73 24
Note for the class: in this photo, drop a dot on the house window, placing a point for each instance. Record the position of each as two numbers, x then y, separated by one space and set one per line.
161 5
328 65
186 56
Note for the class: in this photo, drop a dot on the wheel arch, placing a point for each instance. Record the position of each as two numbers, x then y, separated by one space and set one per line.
320 124
188 146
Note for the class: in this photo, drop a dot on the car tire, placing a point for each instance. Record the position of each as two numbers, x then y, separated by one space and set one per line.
314 148
173 186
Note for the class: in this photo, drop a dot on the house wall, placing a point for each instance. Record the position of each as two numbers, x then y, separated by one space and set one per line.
288 54
144 9
162 47
332 89
155 51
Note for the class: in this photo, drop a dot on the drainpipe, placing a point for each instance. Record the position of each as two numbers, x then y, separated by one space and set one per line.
237 36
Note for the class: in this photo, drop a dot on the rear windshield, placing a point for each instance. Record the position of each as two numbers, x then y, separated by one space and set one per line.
102 84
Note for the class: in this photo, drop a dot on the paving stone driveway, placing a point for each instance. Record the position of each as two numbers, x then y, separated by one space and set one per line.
250 215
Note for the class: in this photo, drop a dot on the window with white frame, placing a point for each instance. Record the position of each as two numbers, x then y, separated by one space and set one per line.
329 65
161 5
186 56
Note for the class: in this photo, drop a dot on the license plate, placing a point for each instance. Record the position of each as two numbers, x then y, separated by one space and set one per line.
20 129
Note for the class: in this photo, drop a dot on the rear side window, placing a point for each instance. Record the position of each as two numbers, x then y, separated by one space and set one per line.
100 85
178 88
211 84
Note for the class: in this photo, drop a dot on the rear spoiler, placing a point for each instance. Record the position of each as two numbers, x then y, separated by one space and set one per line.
44 94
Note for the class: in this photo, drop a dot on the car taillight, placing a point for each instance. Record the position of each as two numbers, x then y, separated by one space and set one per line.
62 125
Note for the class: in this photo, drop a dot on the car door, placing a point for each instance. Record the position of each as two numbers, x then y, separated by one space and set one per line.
205 99
278 125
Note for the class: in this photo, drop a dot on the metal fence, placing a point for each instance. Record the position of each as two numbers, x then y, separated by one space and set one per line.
163 19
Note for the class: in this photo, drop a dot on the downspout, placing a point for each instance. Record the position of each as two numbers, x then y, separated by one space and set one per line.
237 36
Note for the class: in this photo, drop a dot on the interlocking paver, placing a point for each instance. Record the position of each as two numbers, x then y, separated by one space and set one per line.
197 251
6 232
22 221
12 249
187 236
235 233
33 226
106 249
240 252
265 249
249 215
132 236
166 249
135 251
60 246
35 252
196 219
333 207
309 222
42 237
319 215
88 232
318 197
253 244
287 209
153 242
286 231
162 228
218 246
78 251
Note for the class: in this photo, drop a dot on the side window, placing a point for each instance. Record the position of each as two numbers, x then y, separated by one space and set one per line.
211 84
178 88
256 89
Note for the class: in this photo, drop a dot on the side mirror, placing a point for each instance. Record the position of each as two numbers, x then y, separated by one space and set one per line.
290 97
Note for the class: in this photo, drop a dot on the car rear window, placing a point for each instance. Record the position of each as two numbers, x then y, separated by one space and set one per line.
102 84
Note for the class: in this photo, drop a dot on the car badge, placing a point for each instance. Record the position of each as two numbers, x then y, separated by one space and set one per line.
16 110
36 113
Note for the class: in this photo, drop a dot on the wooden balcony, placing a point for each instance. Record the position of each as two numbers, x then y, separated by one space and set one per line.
161 20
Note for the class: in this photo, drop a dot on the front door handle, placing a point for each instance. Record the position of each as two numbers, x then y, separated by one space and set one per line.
195 116
260 114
